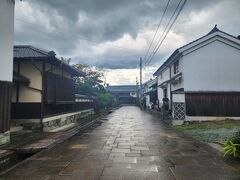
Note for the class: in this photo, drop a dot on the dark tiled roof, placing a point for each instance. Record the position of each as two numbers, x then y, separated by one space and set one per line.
215 29
22 52
123 88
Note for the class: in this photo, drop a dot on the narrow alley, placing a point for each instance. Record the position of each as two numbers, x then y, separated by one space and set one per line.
129 144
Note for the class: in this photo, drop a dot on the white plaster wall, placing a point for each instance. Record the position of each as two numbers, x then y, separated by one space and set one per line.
165 76
214 67
148 104
6 39
179 84
178 97
29 70
160 96
26 93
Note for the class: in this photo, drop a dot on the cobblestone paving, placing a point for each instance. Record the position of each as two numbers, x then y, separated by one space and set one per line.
128 145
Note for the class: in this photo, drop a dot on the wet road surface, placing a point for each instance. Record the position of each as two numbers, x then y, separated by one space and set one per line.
130 144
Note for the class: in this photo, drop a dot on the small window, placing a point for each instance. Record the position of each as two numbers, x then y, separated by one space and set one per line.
161 76
176 67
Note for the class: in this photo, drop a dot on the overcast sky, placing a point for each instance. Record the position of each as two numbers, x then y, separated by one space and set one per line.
113 34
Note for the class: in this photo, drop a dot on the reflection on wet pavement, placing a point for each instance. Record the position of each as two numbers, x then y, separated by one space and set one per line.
129 144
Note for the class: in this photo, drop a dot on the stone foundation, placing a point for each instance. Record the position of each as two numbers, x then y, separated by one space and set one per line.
4 138
55 122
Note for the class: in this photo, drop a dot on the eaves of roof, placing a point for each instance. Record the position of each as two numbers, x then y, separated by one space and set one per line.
30 53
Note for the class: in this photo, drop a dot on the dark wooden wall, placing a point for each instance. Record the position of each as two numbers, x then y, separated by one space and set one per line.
153 97
26 110
58 89
5 106
52 109
127 100
213 104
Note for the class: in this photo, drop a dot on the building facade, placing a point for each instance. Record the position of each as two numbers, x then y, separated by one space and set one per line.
200 81
43 94
6 53
124 94
150 93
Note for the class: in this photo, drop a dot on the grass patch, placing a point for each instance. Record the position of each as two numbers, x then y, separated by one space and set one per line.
227 124
214 131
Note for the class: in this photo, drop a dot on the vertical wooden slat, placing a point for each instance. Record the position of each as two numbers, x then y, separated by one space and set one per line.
213 104
5 106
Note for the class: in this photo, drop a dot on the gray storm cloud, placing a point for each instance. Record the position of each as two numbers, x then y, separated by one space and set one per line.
72 28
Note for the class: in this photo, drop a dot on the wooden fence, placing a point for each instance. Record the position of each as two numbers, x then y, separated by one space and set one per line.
213 104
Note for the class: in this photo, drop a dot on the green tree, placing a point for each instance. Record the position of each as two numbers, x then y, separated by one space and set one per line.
66 60
91 85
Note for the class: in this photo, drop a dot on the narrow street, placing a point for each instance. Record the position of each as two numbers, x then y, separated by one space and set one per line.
129 144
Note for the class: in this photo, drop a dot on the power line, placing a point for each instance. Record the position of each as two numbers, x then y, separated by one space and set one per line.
166 29
159 24
164 32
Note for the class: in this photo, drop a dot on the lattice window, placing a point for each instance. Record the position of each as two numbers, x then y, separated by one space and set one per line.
179 110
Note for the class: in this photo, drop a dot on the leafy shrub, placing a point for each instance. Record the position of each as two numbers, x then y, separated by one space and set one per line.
236 138
232 146
104 101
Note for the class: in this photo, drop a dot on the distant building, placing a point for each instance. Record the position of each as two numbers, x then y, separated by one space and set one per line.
150 93
43 91
200 81
125 94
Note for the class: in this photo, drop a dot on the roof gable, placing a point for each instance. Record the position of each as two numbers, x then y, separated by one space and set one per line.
26 52
214 34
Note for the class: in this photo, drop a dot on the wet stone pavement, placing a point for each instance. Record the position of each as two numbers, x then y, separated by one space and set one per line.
130 144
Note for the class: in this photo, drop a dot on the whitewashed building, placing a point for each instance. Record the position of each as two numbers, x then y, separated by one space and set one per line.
201 80
150 93
6 68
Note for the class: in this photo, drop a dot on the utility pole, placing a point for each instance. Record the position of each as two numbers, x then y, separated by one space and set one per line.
140 90
137 81
137 91
140 72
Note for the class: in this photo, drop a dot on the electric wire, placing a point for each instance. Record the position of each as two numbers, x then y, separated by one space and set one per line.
166 31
